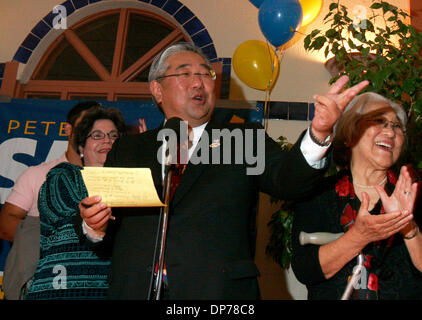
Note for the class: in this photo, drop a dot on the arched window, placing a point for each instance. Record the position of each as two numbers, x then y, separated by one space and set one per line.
105 56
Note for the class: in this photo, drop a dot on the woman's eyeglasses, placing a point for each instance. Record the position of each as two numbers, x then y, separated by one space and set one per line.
382 123
99 135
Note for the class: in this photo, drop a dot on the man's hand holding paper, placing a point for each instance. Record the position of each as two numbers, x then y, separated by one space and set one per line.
115 187
122 187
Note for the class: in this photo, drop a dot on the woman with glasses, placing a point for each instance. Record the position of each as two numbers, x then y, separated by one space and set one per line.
370 210
67 268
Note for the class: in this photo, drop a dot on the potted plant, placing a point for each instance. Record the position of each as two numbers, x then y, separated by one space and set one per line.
376 44
279 246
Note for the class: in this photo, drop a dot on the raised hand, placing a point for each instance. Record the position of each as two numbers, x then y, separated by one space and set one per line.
329 107
142 125
403 197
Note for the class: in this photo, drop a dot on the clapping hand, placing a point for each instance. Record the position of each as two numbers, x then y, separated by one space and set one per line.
403 198
371 228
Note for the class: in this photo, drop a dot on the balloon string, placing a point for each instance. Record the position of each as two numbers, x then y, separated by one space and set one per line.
268 90
266 109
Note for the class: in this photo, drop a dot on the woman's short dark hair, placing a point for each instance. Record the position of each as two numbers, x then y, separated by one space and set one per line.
84 127
351 125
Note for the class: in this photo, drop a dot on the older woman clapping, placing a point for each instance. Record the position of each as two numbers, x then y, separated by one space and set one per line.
374 209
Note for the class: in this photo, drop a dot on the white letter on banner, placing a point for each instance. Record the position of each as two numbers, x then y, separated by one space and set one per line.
9 168
57 149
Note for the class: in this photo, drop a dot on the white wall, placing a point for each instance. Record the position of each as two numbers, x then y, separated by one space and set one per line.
229 22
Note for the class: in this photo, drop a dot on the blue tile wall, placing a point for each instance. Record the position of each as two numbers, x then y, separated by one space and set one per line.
22 55
298 111
49 18
226 72
69 7
279 110
2 66
30 42
311 111
158 3
80 3
41 29
285 110
183 15
172 6
69 10
193 26
202 38
209 51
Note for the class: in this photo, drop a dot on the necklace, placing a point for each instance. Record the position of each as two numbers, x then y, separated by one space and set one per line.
367 187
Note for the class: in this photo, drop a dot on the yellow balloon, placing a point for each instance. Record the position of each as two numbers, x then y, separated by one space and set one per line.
310 9
256 64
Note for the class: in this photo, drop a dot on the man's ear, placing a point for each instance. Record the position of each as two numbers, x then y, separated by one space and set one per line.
156 90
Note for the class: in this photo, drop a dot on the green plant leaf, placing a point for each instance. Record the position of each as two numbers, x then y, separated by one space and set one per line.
390 58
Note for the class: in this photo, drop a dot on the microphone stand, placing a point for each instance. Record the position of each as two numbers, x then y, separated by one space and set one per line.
161 241
174 124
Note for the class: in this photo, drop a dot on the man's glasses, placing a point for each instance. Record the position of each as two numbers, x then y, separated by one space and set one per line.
99 135
382 123
186 78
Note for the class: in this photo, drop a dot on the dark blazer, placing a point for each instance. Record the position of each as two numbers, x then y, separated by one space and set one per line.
211 232
398 277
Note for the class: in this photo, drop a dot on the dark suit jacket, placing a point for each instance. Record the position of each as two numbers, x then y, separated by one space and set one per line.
210 239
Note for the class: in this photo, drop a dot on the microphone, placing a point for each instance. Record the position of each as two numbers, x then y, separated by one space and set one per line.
175 132
174 124
318 238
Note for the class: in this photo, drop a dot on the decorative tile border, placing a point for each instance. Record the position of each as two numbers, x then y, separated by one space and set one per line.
285 110
182 14
2 66
196 30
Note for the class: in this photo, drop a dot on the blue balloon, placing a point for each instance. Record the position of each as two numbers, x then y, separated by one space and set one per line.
278 19
257 3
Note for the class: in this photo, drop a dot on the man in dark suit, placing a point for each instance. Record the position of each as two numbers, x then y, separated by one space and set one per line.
208 252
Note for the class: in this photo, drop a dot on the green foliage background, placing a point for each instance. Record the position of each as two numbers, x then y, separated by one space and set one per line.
382 47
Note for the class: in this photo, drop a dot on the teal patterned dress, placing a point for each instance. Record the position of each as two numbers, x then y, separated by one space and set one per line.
67 268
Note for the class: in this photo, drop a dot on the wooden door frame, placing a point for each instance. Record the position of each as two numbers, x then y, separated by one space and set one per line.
113 84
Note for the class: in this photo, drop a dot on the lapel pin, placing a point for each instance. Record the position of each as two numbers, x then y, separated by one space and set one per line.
215 143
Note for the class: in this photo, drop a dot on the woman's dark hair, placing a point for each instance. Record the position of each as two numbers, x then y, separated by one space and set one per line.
84 127
77 110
